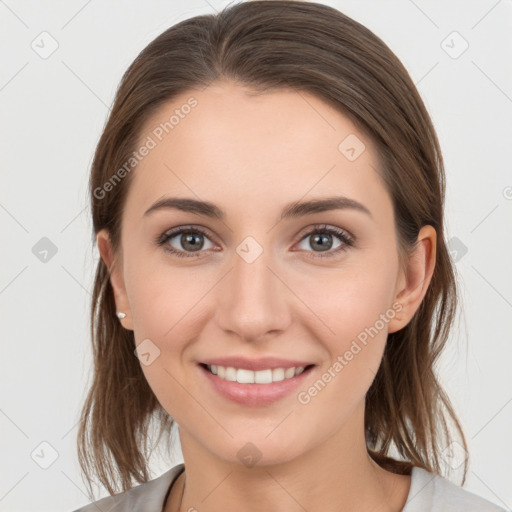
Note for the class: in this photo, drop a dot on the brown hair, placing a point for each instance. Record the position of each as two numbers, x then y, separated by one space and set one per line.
264 45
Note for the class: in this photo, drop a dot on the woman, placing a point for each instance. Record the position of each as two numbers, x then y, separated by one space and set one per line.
267 200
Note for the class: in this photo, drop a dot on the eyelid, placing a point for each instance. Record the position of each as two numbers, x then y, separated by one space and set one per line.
185 227
162 239
346 238
318 227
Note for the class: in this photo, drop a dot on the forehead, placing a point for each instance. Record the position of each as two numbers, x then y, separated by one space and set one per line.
227 142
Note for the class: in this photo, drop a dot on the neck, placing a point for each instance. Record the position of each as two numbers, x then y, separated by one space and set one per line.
337 472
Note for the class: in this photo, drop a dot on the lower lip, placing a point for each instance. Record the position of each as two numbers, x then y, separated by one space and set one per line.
254 394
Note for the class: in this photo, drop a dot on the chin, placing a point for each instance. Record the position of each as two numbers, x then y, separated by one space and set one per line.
257 450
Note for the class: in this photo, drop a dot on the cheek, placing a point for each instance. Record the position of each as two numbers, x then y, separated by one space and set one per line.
353 311
350 301
356 308
167 306
161 298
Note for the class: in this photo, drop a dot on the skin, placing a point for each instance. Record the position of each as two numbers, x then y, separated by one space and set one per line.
251 155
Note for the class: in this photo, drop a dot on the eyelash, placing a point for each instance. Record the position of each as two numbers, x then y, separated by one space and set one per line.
346 239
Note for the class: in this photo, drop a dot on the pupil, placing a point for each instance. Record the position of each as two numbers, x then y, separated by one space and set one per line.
188 240
324 241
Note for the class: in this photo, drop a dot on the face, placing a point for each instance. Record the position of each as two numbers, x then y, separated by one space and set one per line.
256 283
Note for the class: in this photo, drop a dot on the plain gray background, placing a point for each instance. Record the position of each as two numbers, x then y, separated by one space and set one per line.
61 64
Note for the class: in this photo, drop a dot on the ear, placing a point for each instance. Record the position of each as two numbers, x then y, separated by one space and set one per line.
116 277
413 282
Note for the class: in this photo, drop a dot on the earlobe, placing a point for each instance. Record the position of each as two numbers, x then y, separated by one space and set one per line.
414 282
116 277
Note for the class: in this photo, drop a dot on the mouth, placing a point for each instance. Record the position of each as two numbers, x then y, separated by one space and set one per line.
246 376
254 388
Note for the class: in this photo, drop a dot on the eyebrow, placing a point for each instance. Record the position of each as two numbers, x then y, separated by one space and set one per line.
291 210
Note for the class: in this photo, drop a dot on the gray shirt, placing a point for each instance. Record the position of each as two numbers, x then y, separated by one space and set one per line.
428 493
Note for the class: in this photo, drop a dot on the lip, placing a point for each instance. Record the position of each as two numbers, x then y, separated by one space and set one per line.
262 363
254 395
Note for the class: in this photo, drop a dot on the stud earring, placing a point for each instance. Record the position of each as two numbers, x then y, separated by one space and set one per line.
120 315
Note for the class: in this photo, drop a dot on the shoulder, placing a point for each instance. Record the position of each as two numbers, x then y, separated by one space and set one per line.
147 497
434 493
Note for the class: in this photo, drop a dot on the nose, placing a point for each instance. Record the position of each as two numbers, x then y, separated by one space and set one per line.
253 300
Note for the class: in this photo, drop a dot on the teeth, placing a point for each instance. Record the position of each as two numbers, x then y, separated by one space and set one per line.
244 376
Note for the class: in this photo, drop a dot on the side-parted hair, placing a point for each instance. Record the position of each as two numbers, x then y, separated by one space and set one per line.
263 46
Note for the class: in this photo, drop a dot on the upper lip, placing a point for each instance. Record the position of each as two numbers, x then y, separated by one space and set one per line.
255 364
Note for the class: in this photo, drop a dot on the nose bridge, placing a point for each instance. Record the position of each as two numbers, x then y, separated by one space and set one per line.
252 300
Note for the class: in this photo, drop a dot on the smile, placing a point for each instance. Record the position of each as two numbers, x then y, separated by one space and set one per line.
244 376
254 388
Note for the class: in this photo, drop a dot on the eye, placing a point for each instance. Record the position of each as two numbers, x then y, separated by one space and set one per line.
189 240
321 238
